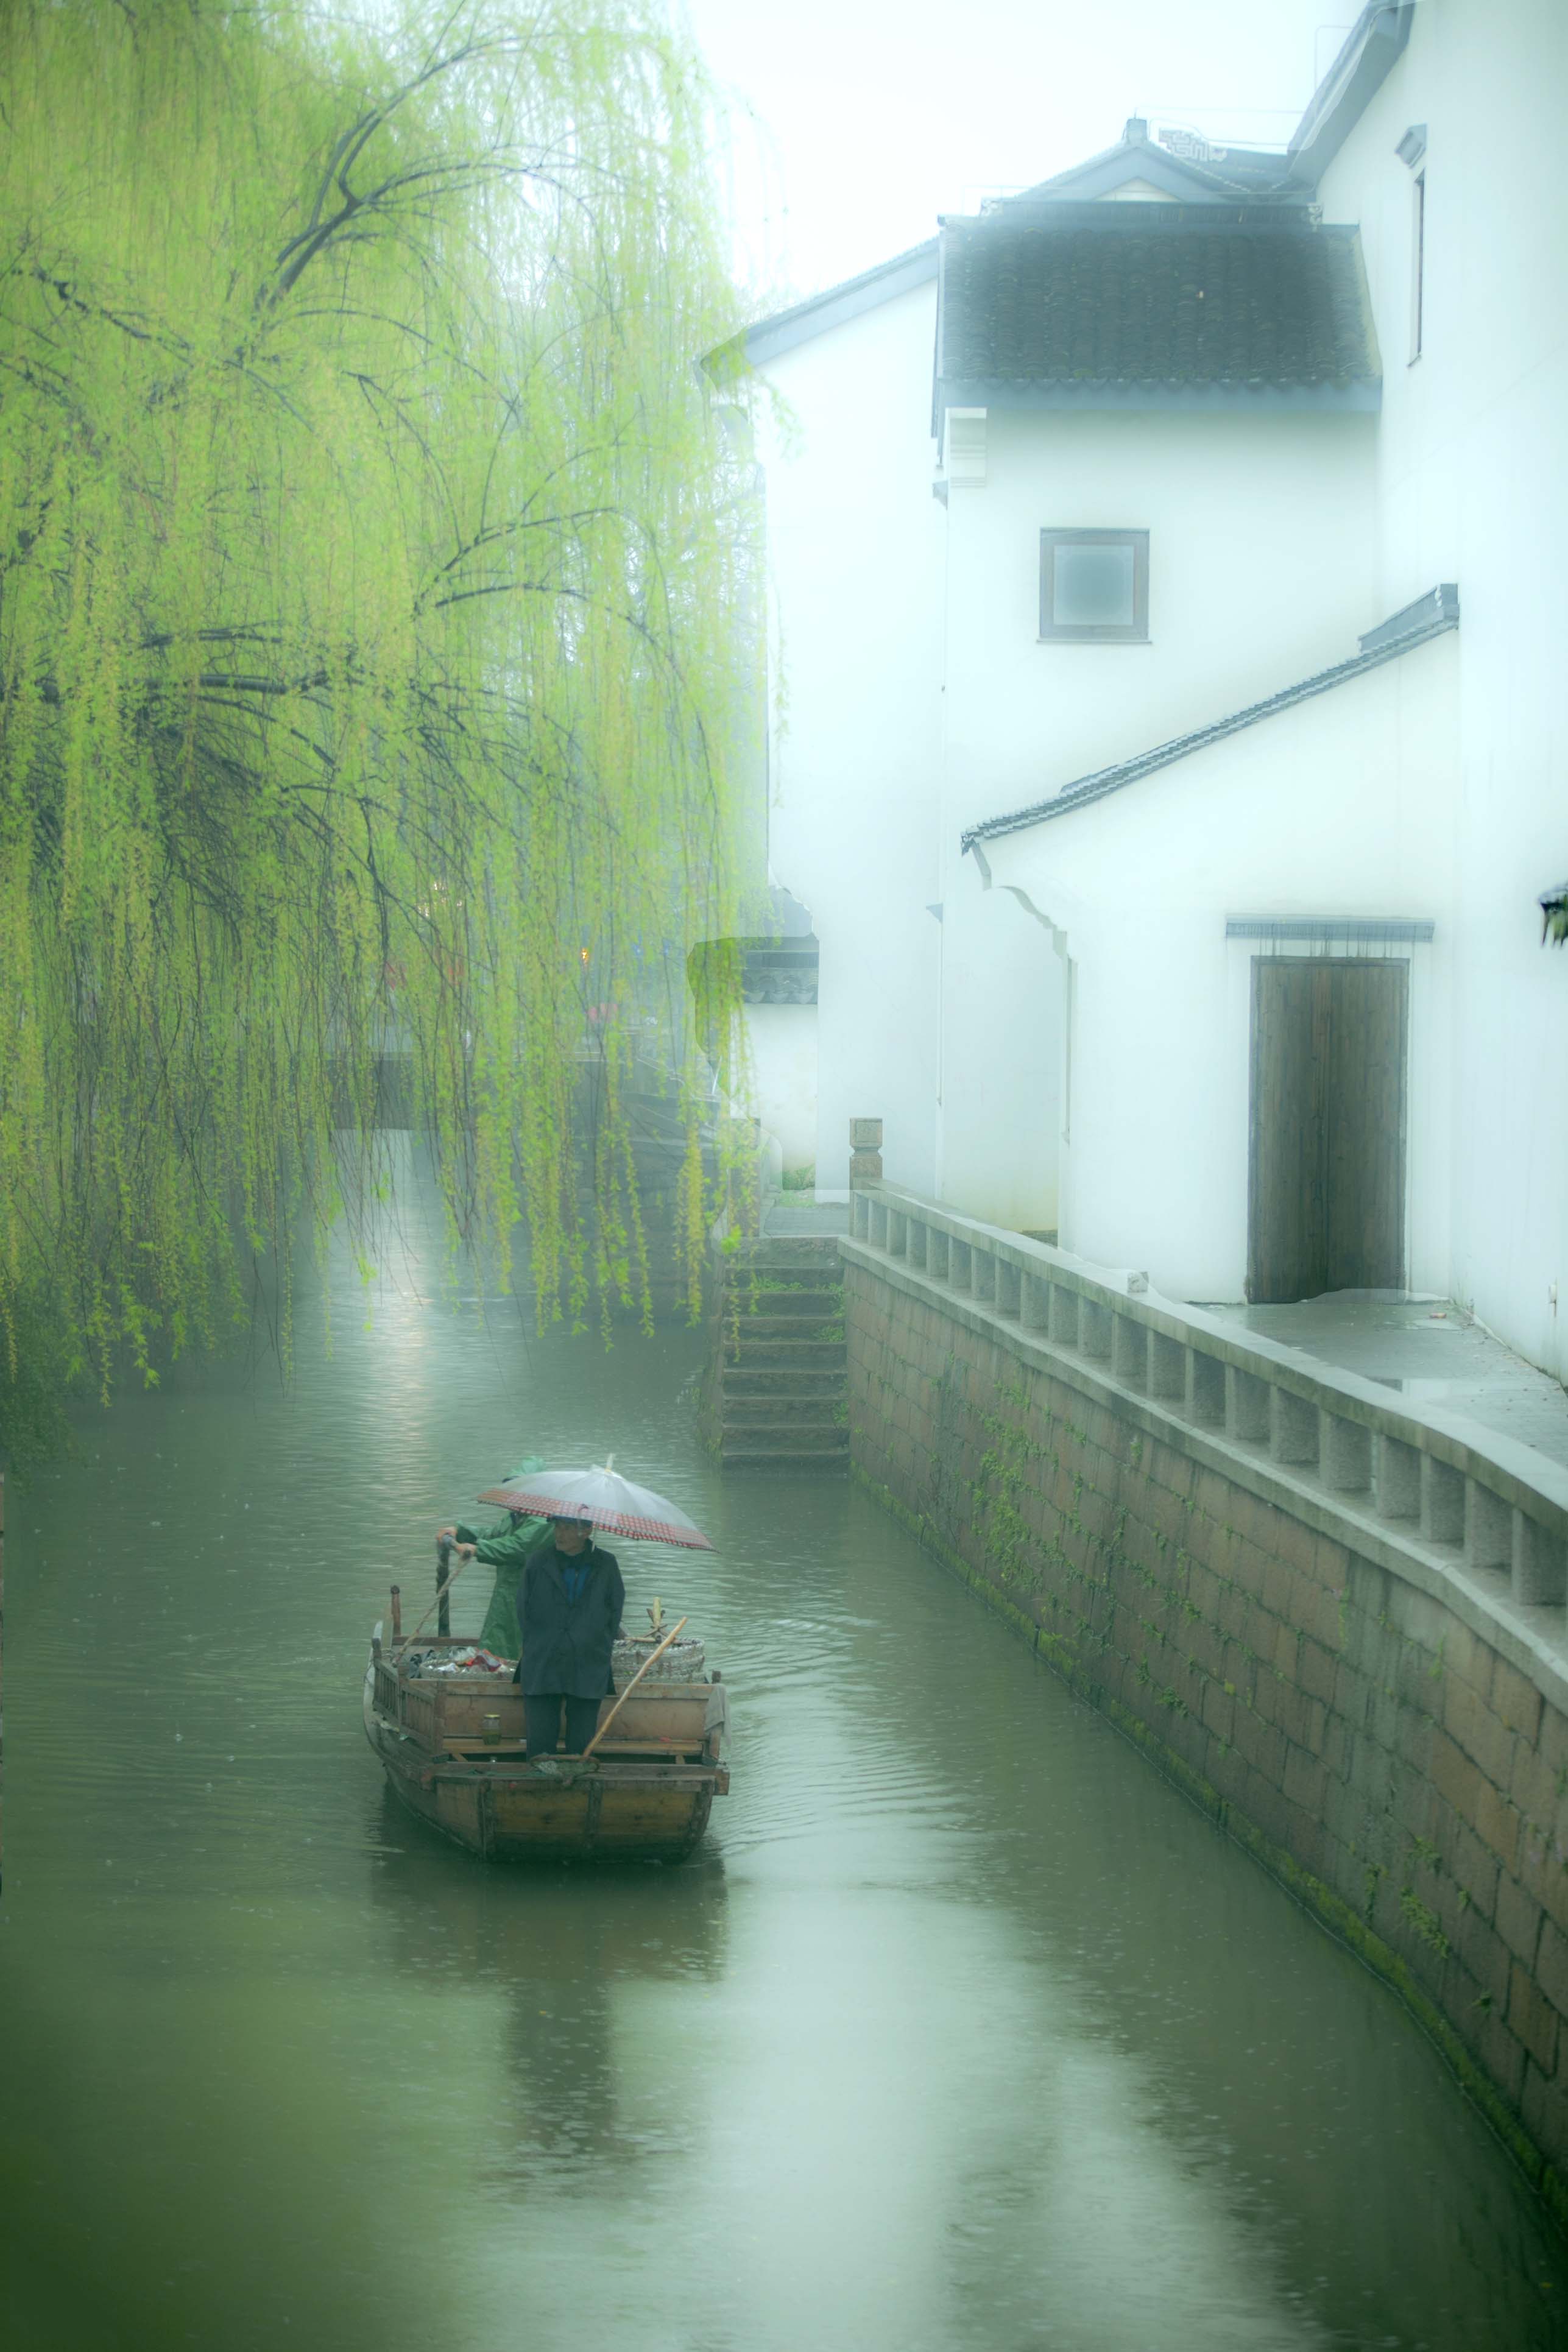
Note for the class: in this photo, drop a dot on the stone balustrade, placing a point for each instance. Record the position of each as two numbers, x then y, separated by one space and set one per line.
1430 1489
1337 1620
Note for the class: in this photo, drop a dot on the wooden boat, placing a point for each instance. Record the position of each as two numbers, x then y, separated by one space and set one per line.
452 1747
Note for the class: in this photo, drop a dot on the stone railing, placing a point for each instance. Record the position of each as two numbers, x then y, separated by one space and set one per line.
1428 1490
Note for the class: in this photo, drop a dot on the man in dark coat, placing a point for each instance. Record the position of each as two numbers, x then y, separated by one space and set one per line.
569 1613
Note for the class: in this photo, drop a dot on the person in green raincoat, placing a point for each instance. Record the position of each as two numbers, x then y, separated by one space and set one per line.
505 1548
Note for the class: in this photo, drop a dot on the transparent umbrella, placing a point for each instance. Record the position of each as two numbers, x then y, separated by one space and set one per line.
603 1498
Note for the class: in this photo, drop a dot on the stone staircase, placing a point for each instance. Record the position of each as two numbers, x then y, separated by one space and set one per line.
777 1393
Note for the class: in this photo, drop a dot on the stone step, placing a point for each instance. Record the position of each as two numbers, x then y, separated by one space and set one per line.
798 1436
737 1380
754 1351
741 1298
776 1391
818 1326
784 1254
807 1412
788 1436
775 1459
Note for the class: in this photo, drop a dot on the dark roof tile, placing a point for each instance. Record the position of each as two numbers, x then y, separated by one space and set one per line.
1183 295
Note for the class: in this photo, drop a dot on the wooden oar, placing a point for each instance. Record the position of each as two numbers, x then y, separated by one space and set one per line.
628 1690
444 1584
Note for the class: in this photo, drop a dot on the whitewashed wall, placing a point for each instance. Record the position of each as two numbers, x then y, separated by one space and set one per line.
1344 805
855 550
782 1043
1000 1077
1472 486
1260 571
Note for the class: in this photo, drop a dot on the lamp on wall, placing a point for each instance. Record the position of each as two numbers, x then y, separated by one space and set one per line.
1553 905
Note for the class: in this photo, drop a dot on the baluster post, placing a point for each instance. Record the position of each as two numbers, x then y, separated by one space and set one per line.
865 1152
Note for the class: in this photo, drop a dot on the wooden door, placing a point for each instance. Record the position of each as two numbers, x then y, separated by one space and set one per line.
1326 1209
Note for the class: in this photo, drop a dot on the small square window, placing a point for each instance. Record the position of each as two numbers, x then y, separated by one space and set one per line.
1094 586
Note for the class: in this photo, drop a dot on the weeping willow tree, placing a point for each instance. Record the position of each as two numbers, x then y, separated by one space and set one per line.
369 568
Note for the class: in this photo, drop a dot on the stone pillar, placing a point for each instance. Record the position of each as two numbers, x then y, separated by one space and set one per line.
865 1152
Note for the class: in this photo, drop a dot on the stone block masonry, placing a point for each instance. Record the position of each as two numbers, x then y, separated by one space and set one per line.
1321 1617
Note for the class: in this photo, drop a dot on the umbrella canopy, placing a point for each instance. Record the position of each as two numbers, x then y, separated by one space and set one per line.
605 1499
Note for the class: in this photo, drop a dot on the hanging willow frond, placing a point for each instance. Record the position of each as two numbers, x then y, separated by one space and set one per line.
369 568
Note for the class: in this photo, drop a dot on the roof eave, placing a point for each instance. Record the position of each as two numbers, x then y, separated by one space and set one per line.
1360 397
1376 39
771 337
1438 613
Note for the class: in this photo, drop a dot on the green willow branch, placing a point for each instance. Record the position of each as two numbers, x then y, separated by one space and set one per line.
350 702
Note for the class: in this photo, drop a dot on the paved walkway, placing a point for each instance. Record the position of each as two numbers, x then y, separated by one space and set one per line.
1430 1353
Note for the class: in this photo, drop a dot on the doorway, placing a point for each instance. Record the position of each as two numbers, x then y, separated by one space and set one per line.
1326 1180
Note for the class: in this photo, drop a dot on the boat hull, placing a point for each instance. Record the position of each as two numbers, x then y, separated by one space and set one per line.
514 1811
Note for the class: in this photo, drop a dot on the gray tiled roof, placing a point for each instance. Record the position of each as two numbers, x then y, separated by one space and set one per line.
1174 295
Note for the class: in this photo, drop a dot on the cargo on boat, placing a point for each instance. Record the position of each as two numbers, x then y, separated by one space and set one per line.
451 1741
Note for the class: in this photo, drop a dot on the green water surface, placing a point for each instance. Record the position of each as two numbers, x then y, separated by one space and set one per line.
960 2033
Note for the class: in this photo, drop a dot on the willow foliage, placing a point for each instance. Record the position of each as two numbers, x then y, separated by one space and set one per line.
369 570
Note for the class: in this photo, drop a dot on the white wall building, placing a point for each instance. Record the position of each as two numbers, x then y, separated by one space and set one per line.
854 544
1452 165
1211 701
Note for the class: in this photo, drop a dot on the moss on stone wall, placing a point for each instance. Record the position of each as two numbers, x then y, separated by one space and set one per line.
1402 1780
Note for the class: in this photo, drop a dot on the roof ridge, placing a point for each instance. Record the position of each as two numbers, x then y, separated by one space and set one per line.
1066 214
1151 160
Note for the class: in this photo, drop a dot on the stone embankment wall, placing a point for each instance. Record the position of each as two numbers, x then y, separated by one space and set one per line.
1334 1624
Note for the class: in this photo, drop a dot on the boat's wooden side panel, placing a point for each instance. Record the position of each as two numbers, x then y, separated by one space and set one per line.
610 1816
420 1712
645 1821
436 1709
526 1820
653 1808
458 1811
670 1712
663 1822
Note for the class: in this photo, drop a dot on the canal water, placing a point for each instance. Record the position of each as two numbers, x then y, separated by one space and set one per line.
961 2032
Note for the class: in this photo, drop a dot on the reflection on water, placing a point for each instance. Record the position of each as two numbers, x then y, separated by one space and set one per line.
960 2033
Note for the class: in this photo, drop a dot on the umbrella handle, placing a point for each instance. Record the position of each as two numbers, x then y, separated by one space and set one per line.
631 1687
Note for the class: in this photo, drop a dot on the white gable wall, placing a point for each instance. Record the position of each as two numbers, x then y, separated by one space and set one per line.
1472 486
1261 569
1340 807
855 547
